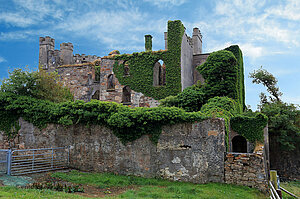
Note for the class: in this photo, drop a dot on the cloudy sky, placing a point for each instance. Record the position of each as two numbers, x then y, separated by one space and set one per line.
268 32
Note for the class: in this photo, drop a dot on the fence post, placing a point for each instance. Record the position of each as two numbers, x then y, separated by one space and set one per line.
273 178
69 155
52 160
9 162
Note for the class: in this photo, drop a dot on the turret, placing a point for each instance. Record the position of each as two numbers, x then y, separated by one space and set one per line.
197 41
46 45
66 53
166 40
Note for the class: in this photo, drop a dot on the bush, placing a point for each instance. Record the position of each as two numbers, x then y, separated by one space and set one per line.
40 85
190 99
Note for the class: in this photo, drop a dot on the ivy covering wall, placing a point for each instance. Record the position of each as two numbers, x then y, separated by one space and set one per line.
127 123
141 65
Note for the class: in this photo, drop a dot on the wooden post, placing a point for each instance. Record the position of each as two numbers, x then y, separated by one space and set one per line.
273 178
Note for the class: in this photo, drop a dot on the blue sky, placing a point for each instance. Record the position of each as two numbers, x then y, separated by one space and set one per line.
268 32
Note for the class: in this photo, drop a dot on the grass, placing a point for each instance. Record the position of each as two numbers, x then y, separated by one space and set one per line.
157 188
142 188
293 187
13 192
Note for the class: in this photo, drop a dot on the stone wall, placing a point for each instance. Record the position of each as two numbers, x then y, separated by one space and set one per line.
79 79
186 61
198 60
185 152
246 169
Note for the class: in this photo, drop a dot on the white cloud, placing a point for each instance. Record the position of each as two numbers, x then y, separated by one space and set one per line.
165 3
291 99
2 59
17 35
16 19
289 10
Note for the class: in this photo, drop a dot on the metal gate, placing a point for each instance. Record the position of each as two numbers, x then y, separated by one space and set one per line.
27 161
3 160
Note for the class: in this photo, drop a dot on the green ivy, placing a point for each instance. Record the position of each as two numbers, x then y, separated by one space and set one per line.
128 124
250 125
240 78
141 66
148 42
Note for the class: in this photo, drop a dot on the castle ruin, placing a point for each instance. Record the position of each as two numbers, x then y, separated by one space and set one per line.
78 72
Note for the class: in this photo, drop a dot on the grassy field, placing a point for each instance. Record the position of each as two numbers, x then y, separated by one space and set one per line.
13 193
116 186
293 187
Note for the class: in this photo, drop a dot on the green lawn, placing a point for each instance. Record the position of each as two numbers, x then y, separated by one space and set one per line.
293 187
13 193
157 188
137 187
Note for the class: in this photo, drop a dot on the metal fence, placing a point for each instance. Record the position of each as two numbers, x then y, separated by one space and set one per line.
3 160
19 162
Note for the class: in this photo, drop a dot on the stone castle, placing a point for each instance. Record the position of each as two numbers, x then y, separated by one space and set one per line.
78 71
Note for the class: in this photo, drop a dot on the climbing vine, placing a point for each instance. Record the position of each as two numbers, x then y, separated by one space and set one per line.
148 42
141 66
250 125
127 123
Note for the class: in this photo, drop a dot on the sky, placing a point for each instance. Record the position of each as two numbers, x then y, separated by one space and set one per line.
267 31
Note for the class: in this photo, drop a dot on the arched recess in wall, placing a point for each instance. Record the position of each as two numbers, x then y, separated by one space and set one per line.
126 68
159 73
110 82
126 95
239 144
96 95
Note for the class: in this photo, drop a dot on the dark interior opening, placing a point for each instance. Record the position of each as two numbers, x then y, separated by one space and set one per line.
239 144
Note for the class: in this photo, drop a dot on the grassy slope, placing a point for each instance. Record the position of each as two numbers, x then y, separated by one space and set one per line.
13 192
293 187
155 188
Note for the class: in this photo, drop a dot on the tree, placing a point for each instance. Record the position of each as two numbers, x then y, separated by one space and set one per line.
284 118
37 84
262 76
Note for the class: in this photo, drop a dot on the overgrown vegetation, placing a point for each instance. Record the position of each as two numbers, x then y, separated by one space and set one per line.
148 42
56 187
284 118
158 188
38 85
141 66
127 123
223 74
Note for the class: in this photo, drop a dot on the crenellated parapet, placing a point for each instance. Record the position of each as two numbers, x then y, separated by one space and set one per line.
50 59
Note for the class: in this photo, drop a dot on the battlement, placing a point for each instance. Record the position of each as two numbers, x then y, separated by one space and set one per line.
47 41
197 33
67 46
78 59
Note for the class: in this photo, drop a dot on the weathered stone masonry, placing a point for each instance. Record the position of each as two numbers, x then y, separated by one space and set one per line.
192 152
246 169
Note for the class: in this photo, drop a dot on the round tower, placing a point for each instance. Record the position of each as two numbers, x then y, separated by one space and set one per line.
66 53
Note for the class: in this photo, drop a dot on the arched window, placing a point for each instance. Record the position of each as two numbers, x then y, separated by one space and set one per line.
159 73
110 82
126 68
126 95
239 144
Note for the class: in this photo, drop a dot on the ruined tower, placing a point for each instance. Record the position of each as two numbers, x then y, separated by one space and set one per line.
66 53
197 41
46 46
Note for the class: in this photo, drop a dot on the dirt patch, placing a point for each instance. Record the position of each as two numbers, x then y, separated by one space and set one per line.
89 190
